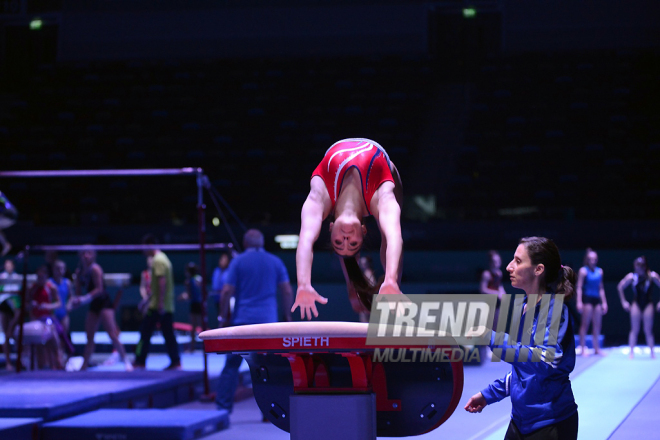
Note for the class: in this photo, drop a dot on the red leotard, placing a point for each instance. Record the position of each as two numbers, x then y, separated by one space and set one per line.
367 156
41 296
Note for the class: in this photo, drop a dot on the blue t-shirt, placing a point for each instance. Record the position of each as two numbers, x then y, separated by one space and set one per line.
255 274
63 292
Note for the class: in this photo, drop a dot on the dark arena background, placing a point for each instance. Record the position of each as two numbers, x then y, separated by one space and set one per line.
504 118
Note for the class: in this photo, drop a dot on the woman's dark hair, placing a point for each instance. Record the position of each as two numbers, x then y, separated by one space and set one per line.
191 268
558 278
364 288
641 261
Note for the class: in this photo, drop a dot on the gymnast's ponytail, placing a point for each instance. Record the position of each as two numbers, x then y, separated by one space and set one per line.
566 282
364 288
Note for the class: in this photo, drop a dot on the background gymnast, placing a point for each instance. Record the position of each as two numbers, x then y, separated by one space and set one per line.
643 281
591 300
491 281
355 179
89 277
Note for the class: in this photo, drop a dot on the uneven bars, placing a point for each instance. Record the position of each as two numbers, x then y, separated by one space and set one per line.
99 173
129 247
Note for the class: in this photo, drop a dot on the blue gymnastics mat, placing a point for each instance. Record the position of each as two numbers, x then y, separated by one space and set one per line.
19 428
642 422
52 395
607 393
138 424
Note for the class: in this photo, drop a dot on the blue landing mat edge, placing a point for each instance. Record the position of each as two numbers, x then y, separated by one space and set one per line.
138 424
15 428
54 395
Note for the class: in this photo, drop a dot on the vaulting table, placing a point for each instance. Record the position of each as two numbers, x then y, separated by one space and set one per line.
320 380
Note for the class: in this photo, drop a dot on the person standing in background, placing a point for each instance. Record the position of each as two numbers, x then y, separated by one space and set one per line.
194 294
643 281
218 280
89 276
591 300
43 300
64 290
10 305
253 278
160 308
145 286
10 281
491 281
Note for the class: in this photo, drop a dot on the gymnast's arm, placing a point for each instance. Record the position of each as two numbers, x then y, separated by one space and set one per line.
655 278
78 282
312 215
389 221
601 292
625 282
55 301
144 285
97 279
582 274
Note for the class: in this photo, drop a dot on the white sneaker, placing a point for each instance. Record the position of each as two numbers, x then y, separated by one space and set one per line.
74 363
113 359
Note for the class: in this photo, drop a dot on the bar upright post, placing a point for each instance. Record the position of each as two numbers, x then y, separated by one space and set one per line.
202 267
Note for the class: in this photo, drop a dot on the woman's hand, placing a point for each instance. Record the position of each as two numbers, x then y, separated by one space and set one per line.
580 306
306 299
76 302
626 306
389 288
476 404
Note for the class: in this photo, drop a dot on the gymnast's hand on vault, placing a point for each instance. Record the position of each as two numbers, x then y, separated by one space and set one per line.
389 288
306 299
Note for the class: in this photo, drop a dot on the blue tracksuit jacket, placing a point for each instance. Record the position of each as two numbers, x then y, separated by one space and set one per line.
540 391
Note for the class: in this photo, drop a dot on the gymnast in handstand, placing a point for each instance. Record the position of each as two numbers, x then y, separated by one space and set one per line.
355 179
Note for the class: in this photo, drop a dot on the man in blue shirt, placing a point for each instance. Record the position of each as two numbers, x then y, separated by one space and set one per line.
253 278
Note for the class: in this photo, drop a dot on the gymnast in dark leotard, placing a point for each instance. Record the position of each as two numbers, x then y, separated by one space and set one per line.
644 283
89 277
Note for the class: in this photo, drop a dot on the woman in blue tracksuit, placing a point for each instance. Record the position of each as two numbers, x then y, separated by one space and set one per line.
543 406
